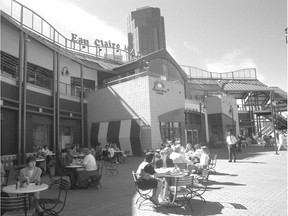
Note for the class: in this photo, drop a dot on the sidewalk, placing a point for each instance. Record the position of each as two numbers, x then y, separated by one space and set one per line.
255 185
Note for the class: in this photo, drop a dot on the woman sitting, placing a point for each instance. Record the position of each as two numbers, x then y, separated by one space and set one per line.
41 164
32 174
90 169
204 160
148 177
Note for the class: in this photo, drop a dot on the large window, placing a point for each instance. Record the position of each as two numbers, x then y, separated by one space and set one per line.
170 131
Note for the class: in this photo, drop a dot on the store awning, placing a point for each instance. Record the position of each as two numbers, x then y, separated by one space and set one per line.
173 116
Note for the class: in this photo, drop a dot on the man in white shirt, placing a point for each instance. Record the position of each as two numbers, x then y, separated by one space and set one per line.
89 163
231 144
281 140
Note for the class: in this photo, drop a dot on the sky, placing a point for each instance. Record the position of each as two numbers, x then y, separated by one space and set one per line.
214 35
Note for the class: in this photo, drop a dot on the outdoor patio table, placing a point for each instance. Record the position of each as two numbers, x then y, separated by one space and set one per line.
31 188
169 173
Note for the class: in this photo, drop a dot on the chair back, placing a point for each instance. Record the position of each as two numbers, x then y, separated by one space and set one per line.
135 179
15 203
213 161
100 169
63 188
6 177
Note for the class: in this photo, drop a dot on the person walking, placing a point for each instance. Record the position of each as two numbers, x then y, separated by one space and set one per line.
231 144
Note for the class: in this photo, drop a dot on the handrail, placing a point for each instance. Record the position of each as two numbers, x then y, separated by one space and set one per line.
29 19
194 72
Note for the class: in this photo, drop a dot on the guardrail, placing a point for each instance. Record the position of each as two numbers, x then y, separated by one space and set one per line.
194 72
32 21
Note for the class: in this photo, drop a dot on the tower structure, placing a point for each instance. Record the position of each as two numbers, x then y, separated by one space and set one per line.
146 31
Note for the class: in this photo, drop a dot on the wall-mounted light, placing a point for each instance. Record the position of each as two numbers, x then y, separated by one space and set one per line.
65 71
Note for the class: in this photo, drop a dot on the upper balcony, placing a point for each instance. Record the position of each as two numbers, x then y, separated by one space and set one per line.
33 22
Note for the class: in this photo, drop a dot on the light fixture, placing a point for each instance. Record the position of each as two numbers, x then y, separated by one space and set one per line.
65 71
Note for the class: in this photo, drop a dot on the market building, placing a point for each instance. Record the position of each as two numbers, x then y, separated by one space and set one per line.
58 91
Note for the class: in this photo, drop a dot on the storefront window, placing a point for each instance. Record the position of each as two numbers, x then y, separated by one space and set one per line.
170 131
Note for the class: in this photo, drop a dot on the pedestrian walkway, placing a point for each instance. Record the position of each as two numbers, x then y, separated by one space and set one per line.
255 185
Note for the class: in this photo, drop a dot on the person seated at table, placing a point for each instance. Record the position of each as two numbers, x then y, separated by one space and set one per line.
204 160
41 164
167 161
32 174
197 154
2 173
111 151
148 177
176 156
3 194
189 151
73 151
46 150
90 168
61 162
158 163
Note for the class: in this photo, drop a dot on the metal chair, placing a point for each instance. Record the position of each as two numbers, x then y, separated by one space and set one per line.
95 180
212 163
54 179
110 166
181 190
200 184
15 205
53 206
6 177
144 194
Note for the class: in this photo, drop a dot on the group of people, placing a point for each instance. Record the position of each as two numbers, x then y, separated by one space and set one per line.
44 154
79 177
196 157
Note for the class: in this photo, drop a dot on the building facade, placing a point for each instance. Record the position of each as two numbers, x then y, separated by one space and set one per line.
146 31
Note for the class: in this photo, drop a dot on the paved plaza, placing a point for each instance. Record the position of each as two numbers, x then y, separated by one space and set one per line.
255 185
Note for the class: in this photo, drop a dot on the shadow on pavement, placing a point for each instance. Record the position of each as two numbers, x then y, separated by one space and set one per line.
198 206
222 174
212 182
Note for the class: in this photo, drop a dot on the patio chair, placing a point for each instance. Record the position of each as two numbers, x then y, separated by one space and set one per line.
144 194
15 205
6 177
54 179
110 166
53 206
124 157
181 191
95 180
200 184
212 163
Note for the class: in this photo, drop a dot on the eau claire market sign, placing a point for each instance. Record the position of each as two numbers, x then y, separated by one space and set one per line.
101 43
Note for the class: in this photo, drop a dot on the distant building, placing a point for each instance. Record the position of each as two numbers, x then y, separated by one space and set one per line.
146 31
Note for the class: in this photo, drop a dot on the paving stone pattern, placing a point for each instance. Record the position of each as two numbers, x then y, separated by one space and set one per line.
255 185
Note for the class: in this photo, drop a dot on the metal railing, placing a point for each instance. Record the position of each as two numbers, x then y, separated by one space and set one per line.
29 19
74 91
193 72
44 82
115 80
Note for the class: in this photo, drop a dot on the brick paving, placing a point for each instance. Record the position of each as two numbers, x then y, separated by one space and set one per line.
255 185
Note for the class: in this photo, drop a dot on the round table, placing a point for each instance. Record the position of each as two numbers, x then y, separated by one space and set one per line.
31 188
73 166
